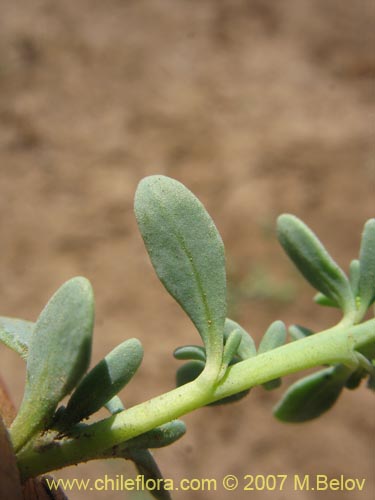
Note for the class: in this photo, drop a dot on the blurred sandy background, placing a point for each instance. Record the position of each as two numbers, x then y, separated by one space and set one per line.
260 107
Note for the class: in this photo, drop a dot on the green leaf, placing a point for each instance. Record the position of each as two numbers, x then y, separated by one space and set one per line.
247 348
314 262
368 349
114 405
161 436
231 346
230 399
230 350
239 345
274 337
355 378
189 372
366 284
323 300
148 468
313 395
272 384
354 273
59 354
187 253
103 382
190 352
144 463
16 333
298 332
135 449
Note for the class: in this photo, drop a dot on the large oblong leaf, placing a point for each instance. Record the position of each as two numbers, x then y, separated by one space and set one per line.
59 354
366 284
16 334
103 382
187 253
313 395
314 262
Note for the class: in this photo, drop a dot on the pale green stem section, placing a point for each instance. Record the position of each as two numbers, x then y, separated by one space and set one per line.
332 346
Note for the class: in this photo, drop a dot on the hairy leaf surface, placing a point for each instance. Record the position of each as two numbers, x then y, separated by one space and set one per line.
187 253
59 355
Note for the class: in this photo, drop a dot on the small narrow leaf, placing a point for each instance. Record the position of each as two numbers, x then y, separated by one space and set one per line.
230 350
247 348
190 352
103 382
187 253
364 361
274 337
313 395
298 332
354 273
314 262
16 333
59 354
231 346
366 284
323 300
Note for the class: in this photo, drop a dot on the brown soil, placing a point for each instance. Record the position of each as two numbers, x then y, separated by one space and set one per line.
260 108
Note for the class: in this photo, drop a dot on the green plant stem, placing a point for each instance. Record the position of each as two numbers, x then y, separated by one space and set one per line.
335 345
